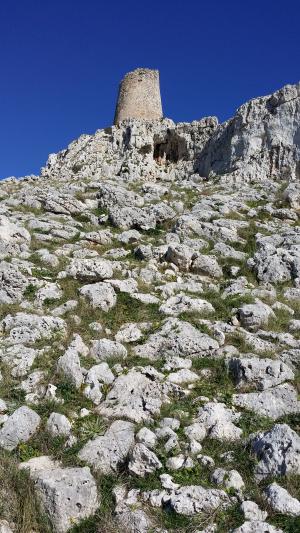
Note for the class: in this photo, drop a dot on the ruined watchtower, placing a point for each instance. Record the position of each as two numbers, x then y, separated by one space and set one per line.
139 96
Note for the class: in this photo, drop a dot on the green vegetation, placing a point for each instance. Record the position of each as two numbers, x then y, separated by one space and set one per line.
18 501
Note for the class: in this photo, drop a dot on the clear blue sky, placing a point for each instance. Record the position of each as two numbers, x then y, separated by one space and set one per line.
61 62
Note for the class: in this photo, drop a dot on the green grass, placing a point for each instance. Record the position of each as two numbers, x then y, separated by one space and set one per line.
223 306
289 524
18 501
128 309
9 390
30 292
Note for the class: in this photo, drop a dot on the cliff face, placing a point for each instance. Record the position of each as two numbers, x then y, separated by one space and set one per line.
261 141
150 329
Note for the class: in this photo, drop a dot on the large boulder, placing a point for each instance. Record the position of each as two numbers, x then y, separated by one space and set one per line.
19 427
259 373
12 283
68 495
137 395
195 499
273 403
90 269
109 452
177 337
277 451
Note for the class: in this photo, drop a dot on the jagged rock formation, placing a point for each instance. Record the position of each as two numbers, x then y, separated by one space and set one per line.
150 329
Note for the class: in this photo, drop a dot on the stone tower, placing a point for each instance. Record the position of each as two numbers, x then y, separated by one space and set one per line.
139 96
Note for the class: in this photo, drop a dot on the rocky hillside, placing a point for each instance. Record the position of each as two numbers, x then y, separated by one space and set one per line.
150 329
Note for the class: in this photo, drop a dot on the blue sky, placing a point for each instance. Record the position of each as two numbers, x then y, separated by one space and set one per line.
61 62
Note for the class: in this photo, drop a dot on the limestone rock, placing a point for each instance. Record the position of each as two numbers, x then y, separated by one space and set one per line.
19 358
259 133
108 452
26 328
58 425
14 239
195 499
12 283
180 338
273 403
101 295
103 349
230 479
254 316
143 461
207 265
68 495
181 303
136 395
281 501
219 420
90 269
278 452
260 373
252 512
19 427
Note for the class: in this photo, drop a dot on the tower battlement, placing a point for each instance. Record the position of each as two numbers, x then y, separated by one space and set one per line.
139 96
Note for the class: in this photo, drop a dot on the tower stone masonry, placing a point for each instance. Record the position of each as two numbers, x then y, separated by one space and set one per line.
139 96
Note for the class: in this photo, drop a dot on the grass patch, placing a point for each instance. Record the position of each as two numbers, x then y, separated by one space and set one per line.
30 292
223 306
129 309
18 502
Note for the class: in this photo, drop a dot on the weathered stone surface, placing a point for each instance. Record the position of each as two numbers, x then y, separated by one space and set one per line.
14 239
207 265
19 427
137 395
218 421
277 256
278 452
177 337
252 512
68 495
230 479
195 499
281 501
69 366
273 403
19 358
182 303
143 461
90 269
260 133
105 349
129 512
58 425
260 373
108 452
254 316
25 328
12 283
100 295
